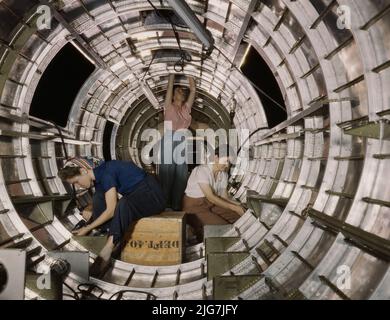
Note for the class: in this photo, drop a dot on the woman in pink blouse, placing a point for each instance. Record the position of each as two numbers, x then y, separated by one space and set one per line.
173 171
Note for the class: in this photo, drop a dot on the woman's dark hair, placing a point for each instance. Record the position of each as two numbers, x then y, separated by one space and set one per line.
225 151
68 173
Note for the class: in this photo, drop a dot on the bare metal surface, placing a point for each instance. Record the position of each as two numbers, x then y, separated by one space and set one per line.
330 78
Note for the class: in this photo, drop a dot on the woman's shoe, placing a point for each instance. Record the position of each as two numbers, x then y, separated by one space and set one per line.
117 251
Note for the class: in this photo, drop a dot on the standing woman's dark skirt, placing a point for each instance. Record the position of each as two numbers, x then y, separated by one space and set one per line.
173 171
146 200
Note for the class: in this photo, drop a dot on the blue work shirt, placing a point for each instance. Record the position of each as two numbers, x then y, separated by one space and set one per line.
123 175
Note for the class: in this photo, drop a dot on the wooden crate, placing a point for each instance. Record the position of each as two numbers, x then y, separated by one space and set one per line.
156 241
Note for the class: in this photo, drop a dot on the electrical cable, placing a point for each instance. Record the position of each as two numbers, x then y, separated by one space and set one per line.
87 293
147 70
184 56
121 292
75 295
254 85
253 133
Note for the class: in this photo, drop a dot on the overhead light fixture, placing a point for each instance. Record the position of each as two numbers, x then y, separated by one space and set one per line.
184 11
245 55
149 94
76 45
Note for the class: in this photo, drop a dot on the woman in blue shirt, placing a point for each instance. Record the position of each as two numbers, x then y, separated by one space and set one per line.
141 197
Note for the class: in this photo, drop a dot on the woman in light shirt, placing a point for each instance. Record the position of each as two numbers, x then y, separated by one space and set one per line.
206 199
173 170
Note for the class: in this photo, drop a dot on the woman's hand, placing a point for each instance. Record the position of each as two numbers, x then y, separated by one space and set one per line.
238 209
82 231
191 97
87 214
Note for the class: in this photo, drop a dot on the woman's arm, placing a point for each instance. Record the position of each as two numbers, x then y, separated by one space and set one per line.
169 95
227 198
111 200
220 202
191 97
